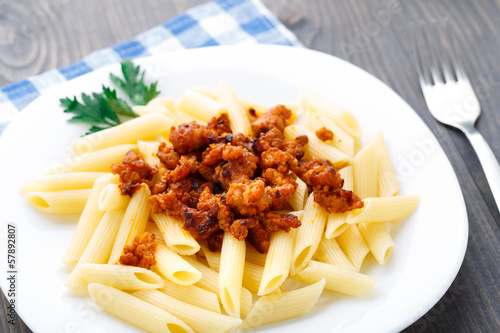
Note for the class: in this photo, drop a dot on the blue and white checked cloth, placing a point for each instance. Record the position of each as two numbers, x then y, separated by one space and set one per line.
220 22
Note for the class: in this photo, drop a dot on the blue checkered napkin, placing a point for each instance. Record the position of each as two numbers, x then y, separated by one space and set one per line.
220 22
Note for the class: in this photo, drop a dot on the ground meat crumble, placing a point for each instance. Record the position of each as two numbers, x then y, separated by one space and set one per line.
141 252
215 180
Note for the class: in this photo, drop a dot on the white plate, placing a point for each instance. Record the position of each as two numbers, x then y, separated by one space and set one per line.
429 246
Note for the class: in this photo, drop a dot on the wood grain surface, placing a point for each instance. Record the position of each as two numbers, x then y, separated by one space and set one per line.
36 36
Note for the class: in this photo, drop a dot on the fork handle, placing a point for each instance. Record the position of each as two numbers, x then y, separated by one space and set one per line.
486 158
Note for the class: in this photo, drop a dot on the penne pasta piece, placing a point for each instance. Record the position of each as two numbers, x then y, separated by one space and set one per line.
193 295
317 148
165 101
133 223
341 139
59 202
182 117
248 106
337 222
389 209
252 255
338 115
62 182
388 184
353 245
111 198
89 220
339 280
299 196
153 229
278 262
308 236
329 252
199 319
276 307
121 277
148 150
174 267
207 91
97 161
135 311
366 171
198 105
141 128
232 264
239 121
176 238
378 239
99 247
143 110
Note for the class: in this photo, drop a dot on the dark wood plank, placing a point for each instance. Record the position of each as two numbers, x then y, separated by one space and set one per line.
374 35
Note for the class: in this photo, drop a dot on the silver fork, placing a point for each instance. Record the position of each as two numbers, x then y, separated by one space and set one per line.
450 97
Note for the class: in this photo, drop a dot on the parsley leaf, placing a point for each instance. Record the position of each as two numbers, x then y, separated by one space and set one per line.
94 110
133 85
116 104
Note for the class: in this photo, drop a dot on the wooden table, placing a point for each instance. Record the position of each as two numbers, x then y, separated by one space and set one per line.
372 34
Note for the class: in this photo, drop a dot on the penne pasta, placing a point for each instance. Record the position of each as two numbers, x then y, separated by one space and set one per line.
177 239
193 295
143 110
121 277
153 229
308 236
337 222
276 307
388 209
239 121
133 223
366 171
378 239
135 311
299 196
111 198
89 220
339 280
165 101
99 247
232 264
98 161
141 128
148 150
388 184
199 319
317 148
253 256
353 245
59 202
200 106
329 252
174 267
62 182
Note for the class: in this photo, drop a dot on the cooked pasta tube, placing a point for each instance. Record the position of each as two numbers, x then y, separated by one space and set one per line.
338 279
99 247
278 262
135 311
378 239
249 105
133 223
276 307
199 105
232 264
338 115
165 101
329 252
308 236
61 182
193 295
59 202
387 209
353 245
121 277
207 91
140 128
182 117
200 320
153 229
337 222
239 121
174 267
176 238
388 184
100 160
149 149
210 282
316 147
299 196
366 171
252 255
89 220
143 110
341 139
111 198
